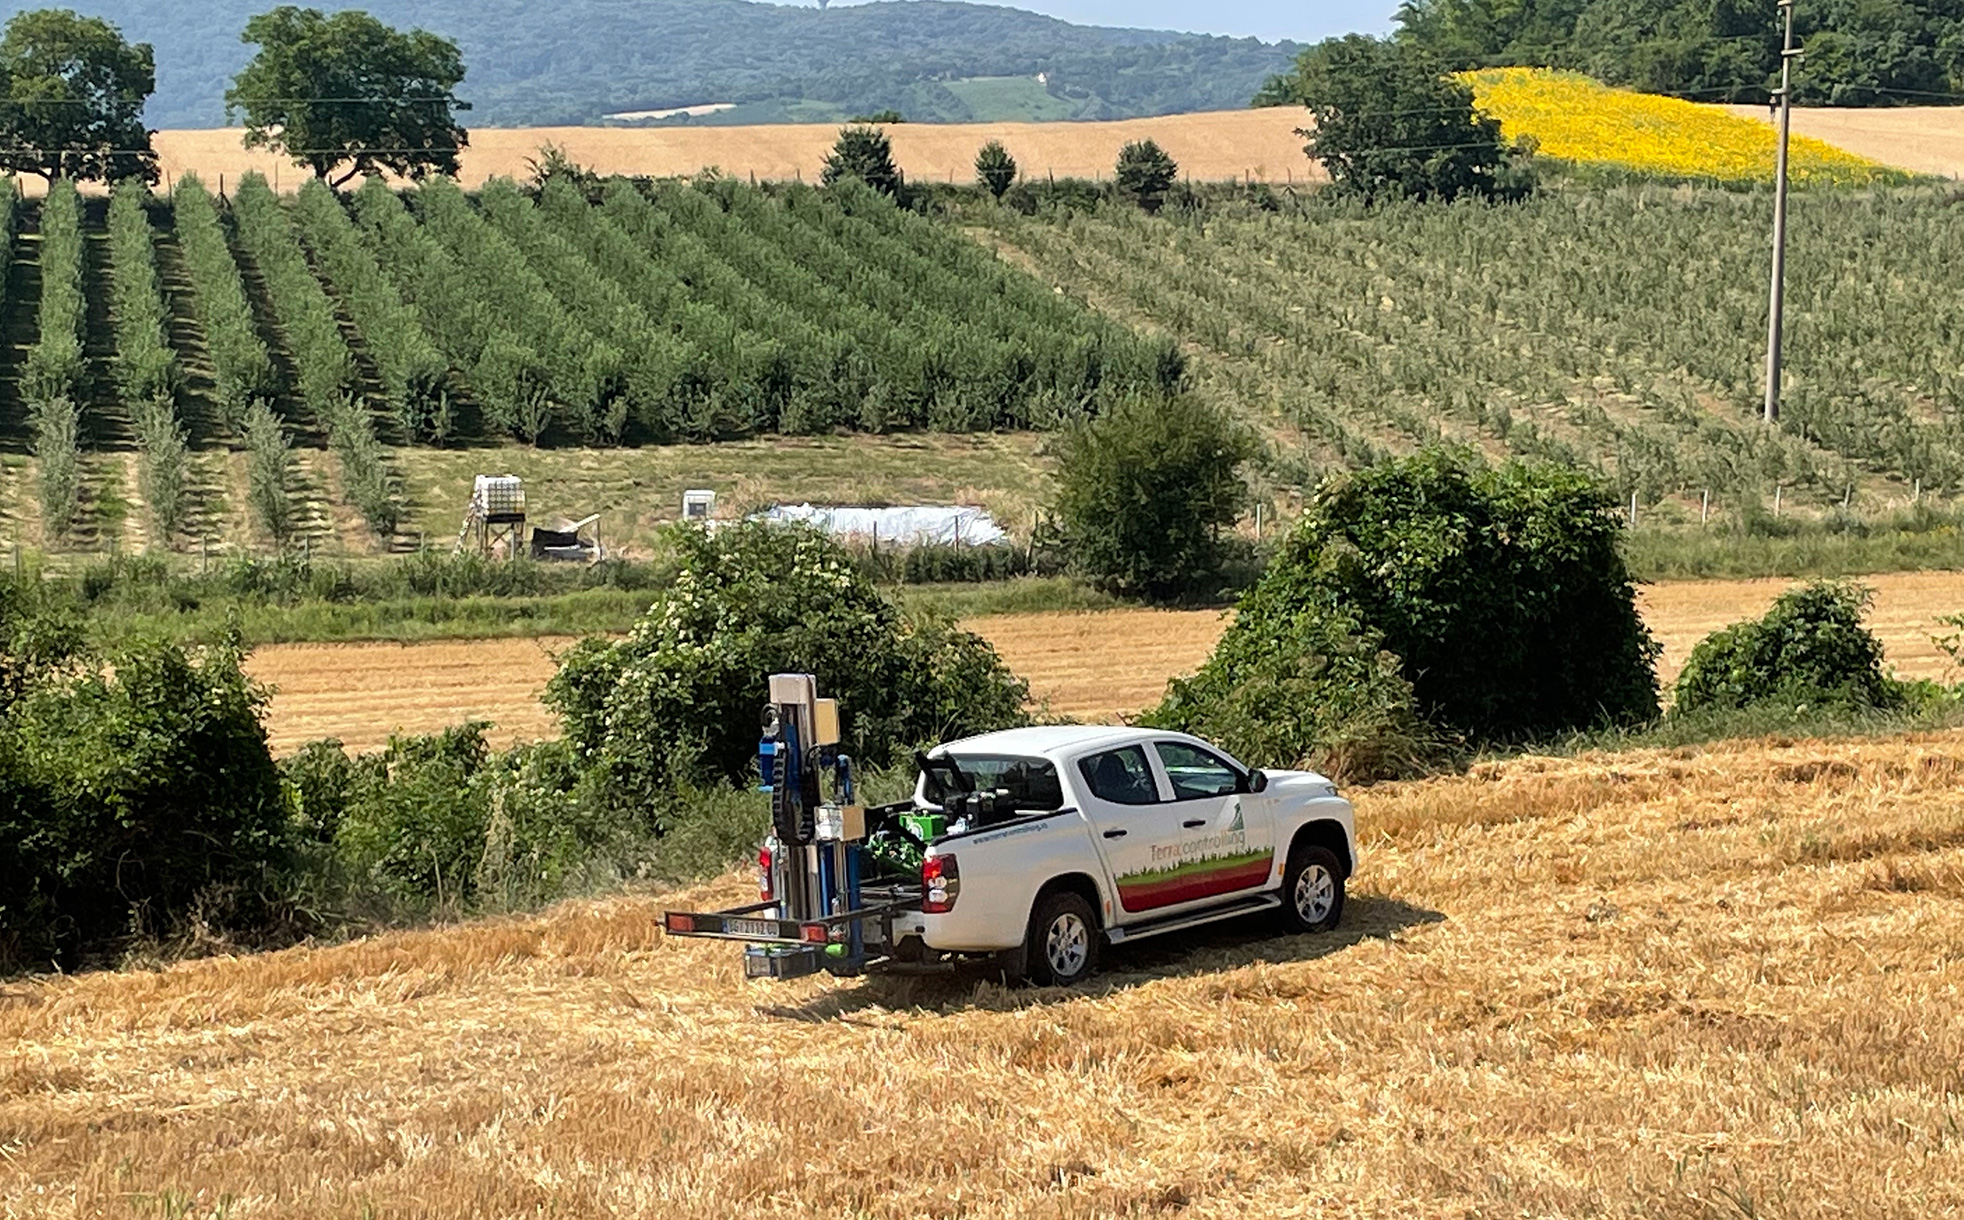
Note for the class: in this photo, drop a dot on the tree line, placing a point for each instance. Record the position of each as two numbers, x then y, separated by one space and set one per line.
1859 52
343 95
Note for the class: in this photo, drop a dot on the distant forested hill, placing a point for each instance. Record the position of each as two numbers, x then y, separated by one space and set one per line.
1859 52
575 61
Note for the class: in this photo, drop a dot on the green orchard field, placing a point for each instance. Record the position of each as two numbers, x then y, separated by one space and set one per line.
620 341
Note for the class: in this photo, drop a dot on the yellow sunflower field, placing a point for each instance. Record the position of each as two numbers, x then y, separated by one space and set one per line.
1585 121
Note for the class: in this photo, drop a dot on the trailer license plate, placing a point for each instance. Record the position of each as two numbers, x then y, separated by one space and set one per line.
751 927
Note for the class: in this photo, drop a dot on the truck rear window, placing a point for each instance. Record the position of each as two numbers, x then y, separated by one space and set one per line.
1032 782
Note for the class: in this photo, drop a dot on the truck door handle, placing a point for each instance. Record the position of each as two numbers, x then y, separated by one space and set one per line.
1196 824
1114 834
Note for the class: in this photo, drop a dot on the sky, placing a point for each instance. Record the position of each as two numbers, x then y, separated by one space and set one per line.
1272 20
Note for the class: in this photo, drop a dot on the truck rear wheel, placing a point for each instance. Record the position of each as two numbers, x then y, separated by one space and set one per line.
1062 947
1312 890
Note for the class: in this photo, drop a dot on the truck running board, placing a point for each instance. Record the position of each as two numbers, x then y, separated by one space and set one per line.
1180 923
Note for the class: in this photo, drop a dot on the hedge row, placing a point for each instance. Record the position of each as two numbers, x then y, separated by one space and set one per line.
241 367
54 364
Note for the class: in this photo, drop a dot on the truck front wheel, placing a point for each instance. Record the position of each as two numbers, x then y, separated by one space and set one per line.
1312 890
1062 947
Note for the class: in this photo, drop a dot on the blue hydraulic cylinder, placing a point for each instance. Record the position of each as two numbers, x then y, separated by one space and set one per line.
858 944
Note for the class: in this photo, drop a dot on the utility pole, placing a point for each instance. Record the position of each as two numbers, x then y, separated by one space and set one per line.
1776 311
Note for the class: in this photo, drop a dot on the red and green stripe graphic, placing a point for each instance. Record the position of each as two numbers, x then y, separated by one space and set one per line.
1192 880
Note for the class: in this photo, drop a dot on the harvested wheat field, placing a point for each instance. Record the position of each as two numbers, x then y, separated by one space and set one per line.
361 693
1093 666
1694 983
1258 144
1926 139
1904 616
1103 664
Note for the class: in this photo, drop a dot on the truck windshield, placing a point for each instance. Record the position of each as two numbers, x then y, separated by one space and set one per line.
1032 782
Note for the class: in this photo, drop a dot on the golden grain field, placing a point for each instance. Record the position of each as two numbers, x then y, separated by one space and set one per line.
1579 119
1258 144
1692 983
1925 139
1092 666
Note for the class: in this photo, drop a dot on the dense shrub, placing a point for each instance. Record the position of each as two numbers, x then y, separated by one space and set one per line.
1810 648
995 169
679 698
865 153
1501 592
1145 173
136 792
1145 491
1299 681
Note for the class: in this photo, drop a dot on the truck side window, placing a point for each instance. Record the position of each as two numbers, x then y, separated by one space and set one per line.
1120 776
1195 773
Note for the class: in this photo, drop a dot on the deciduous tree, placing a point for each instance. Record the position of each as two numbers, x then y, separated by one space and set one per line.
1390 124
71 99
1145 491
347 90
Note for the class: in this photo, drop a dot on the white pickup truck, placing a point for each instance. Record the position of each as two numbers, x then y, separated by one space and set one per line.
1120 833
1033 847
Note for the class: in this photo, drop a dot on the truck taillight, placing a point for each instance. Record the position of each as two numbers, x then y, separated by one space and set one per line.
941 884
764 873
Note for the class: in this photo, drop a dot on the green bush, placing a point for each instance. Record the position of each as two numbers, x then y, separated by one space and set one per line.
1145 492
678 700
136 793
1501 592
865 153
443 824
1300 682
995 169
1810 649
1145 173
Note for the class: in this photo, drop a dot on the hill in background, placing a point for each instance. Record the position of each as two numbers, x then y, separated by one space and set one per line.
580 61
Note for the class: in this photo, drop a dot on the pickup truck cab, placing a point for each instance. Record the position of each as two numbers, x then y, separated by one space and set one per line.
1119 834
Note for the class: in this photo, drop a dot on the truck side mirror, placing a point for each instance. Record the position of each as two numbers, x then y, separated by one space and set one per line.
1257 781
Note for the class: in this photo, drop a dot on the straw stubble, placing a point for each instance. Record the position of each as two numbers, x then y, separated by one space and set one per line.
1678 983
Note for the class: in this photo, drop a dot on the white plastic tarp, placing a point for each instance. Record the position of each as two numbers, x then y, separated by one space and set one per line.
908 526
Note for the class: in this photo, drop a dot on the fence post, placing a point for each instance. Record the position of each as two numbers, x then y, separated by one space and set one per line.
1705 508
1633 510
1776 499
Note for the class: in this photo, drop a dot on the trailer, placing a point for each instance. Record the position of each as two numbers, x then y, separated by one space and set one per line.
825 902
